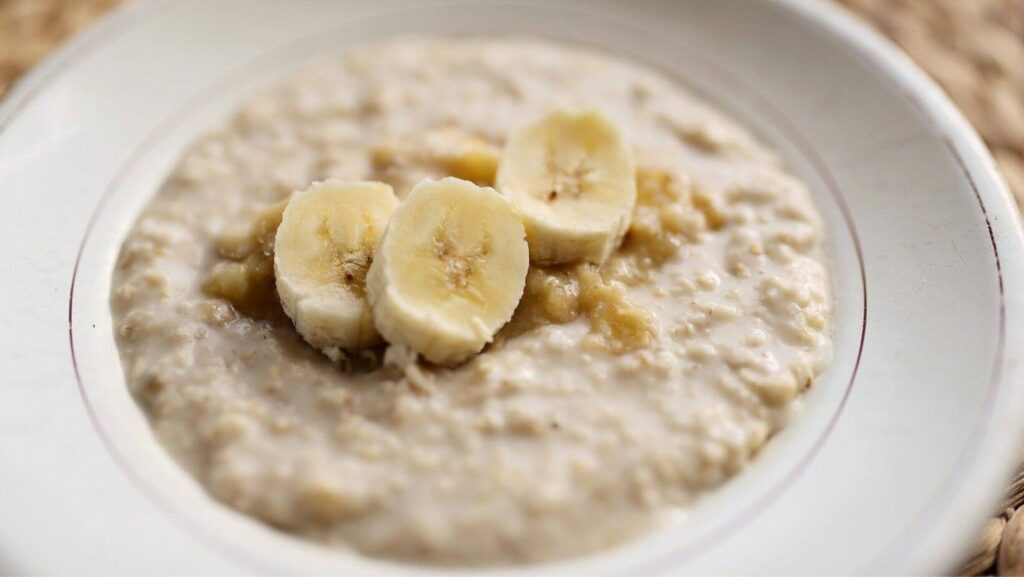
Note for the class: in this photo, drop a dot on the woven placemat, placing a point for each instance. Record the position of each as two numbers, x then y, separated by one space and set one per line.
974 48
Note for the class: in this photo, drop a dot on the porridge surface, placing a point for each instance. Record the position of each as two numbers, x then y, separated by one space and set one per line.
597 413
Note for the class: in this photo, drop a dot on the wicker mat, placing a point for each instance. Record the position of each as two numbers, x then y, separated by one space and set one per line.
974 48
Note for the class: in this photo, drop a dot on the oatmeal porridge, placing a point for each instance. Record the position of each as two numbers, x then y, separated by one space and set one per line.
616 395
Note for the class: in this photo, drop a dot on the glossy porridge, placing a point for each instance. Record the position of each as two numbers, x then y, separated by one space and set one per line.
615 396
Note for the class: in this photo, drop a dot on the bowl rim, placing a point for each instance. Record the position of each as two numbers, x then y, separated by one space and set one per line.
1004 223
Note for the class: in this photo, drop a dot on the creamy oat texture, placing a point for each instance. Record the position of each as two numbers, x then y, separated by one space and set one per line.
614 398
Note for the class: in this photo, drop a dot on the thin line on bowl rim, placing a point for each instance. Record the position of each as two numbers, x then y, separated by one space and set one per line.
899 548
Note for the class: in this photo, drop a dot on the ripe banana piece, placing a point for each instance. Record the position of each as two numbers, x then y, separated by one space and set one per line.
449 271
323 249
573 179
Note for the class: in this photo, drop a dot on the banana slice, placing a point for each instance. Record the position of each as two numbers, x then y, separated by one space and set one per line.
573 179
449 271
322 251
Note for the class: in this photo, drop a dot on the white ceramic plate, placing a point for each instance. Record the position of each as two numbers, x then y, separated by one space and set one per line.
906 441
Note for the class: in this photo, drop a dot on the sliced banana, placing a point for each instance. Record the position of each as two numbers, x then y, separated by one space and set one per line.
573 179
323 249
449 271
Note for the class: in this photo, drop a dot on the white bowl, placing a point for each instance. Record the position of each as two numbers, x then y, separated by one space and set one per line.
905 444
